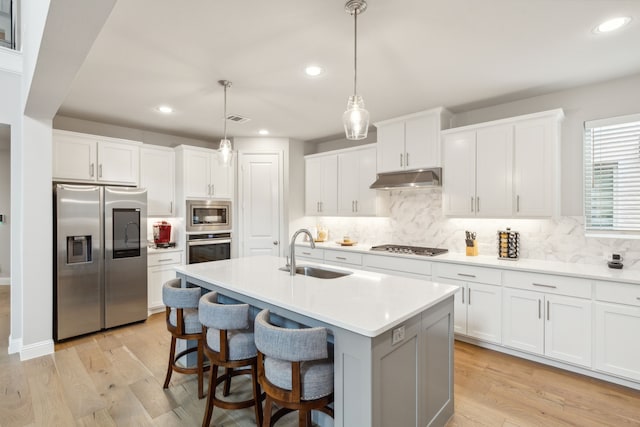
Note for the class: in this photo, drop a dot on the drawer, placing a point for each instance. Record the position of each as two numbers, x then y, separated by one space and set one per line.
468 273
156 259
618 292
548 283
396 263
307 252
343 257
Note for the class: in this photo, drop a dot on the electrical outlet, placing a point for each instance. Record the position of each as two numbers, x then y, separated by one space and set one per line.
397 335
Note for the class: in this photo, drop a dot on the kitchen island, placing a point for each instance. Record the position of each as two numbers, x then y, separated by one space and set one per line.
393 336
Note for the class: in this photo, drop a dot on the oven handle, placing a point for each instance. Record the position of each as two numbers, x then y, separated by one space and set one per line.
208 242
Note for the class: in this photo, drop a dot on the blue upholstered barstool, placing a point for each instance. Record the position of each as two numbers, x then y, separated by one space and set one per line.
295 369
183 323
229 343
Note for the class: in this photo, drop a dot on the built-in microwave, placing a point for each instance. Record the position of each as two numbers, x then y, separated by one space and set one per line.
208 215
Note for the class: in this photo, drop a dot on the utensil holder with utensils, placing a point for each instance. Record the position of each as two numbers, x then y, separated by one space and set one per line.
471 243
508 244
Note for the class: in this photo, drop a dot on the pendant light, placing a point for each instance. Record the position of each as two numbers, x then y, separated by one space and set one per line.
225 151
356 118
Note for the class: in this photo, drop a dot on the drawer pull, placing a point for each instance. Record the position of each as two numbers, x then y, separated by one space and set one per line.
341 257
165 260
469 297
544 286
548 311
638 298
306 253
466 275
539 309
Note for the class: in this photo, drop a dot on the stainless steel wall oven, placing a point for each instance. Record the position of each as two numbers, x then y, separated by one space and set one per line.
203 247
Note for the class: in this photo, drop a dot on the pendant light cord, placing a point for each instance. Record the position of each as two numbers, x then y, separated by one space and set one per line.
355 51
226 84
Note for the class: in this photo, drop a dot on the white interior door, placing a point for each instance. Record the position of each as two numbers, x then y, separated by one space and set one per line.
260 204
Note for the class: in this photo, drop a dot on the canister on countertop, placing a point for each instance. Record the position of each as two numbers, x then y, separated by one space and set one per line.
508 244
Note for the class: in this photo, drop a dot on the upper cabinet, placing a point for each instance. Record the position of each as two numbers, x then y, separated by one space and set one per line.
321 184
80 157
506 168
201 175
412 141
157 175
356 172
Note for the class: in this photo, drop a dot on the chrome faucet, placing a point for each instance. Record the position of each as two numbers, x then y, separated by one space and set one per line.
292 250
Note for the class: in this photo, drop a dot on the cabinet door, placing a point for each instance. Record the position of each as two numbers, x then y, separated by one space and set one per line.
494 171
118 162
421 142
158 177
157 276
221 179
459 182
617 343
534 168
329 180
348 182
197 173
366 202
312 185
568 329
484 312
459 304
391 147
522 320
74 157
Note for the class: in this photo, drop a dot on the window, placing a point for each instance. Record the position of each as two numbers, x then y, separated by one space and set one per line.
612 175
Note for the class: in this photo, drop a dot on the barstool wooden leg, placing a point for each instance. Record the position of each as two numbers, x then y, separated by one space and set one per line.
211 395
267 414
227 382
172 355
257 394
200 369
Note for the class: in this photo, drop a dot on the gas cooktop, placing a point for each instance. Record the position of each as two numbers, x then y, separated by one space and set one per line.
410 250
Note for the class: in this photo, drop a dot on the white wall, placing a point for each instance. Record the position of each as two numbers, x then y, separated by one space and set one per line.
5 203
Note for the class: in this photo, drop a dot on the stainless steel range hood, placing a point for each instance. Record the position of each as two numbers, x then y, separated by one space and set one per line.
431 177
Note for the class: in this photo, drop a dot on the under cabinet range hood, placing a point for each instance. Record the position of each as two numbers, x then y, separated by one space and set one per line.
418 178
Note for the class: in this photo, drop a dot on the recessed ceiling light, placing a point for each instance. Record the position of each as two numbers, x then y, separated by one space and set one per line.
165 109
612 24
263 132
313 70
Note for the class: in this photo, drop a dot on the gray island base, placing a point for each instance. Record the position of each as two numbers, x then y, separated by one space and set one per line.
393 336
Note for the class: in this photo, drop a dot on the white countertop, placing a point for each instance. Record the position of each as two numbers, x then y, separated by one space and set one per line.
154 250
586 271
364 302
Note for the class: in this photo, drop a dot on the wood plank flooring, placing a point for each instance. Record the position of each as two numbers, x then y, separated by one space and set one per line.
114 378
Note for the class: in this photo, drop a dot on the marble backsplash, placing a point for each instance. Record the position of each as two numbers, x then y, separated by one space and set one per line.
416 219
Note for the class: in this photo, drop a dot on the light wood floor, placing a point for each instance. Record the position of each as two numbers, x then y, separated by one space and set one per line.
115 378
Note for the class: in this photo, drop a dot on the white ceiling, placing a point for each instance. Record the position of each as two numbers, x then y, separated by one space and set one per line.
413 55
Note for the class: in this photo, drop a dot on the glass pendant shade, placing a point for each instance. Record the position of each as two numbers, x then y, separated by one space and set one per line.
355 119
225 152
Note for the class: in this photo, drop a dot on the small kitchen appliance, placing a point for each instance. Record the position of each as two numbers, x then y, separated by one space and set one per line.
409 250
615 261
161 234
208 216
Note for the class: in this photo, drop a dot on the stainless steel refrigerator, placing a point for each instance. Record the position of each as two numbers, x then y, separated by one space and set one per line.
100 253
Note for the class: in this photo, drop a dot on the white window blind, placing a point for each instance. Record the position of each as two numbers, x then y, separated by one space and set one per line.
612 174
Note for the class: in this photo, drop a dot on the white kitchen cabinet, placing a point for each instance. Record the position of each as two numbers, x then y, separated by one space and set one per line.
356 172
505 168
535 167
617 326
397 266
551 325
201 174
160 269
87 158
478 305
343 258
478 168
321 184
157 175
412 141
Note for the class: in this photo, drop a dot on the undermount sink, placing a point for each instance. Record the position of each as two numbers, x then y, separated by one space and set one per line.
317 272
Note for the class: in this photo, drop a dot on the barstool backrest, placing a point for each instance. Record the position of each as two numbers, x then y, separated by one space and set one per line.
175 296
296 345
222 316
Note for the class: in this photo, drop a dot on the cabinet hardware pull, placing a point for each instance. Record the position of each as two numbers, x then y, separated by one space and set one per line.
321 206
306 253
400 159
539 309
91 170
548 311
542 285
463 295
471 203
466 275
213 189
317 206
469 299
356 206
100 171
518 203
341 257
638 298
406 161
165 260
477 204
353 206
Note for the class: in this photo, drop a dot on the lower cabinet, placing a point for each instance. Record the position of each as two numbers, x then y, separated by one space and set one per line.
160 269
617 320
551 325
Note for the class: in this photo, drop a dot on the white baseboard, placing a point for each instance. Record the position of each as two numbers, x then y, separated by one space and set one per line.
15 345
5 281
38 349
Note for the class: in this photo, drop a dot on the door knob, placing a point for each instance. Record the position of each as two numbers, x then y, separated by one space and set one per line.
275 243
